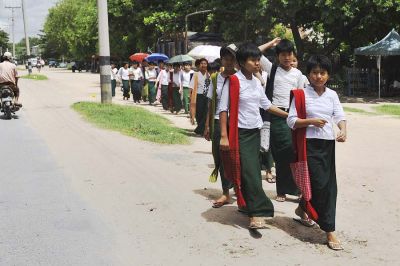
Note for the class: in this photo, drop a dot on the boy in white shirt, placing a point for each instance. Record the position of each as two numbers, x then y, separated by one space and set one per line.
123 74
282 79
136 77
187 75
151 76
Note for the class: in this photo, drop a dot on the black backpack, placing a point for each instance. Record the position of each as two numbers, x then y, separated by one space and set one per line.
269 91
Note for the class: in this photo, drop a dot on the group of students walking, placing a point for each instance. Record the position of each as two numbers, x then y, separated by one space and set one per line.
259 110
157 83
257 113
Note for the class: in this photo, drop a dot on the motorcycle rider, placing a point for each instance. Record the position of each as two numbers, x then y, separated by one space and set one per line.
9 75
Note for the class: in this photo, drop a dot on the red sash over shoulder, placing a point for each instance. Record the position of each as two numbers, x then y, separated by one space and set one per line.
300 166
231 158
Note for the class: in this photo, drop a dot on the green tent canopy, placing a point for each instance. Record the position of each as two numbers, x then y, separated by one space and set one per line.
390 45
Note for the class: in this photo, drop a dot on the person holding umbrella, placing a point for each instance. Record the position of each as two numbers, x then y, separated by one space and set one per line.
320 109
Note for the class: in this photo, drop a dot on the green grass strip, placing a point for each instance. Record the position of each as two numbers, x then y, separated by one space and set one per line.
388 109
35 77
357 110
132 121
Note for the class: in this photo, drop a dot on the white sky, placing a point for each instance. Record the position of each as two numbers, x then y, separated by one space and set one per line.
36 12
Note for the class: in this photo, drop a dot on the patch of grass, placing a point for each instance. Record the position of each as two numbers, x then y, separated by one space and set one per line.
388 109
132 121
35 77
357 110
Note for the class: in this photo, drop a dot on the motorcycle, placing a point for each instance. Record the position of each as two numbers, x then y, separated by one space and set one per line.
7 104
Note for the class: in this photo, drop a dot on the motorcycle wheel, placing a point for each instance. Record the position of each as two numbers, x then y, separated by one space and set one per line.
7 112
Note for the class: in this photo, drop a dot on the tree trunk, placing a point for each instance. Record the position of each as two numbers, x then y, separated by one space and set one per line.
297 39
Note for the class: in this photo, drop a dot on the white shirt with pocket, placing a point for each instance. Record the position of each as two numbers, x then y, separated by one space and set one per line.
222 84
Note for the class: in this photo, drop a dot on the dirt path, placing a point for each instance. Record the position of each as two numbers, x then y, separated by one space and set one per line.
156 199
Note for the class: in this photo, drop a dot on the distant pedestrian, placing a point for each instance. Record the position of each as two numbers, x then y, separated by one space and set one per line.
113 73
162 85
151 76
187 75
123 74
177 87
198 101
136 77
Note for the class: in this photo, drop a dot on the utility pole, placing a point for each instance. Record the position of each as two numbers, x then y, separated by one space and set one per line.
28 49
104 55
13 25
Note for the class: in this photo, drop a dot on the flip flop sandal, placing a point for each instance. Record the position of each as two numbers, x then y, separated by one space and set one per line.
271 179
305 222
335 246
257 225
219 204
280 198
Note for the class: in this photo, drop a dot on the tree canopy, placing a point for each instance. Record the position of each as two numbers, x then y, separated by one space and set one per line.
323 26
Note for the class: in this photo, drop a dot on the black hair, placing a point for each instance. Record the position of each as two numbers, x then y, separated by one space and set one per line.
214 66
225 51
152 63
320 61
203 60
197 63
247 50
135 63
285 46
176 64
187 63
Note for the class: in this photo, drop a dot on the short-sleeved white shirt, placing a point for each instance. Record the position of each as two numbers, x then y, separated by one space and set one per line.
327 106
251 98
203 82
284 82
186 78
221 85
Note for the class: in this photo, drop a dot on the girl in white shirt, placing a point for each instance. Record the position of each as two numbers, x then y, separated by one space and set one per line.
136 77
251 98
323 110
123 74
151 76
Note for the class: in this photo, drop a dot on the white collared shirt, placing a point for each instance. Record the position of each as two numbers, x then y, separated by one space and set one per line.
186 78
123 73
151 75
176 79
136 73
114 72
327 106
203 82
163 77
284 82
220 86
251 98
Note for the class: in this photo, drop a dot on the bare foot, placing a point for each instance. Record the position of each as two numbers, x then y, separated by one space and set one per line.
223 200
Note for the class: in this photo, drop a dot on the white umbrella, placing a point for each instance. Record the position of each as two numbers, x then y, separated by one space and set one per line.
209 52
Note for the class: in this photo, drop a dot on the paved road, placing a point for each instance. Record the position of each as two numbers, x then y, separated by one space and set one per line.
87 196
42 220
